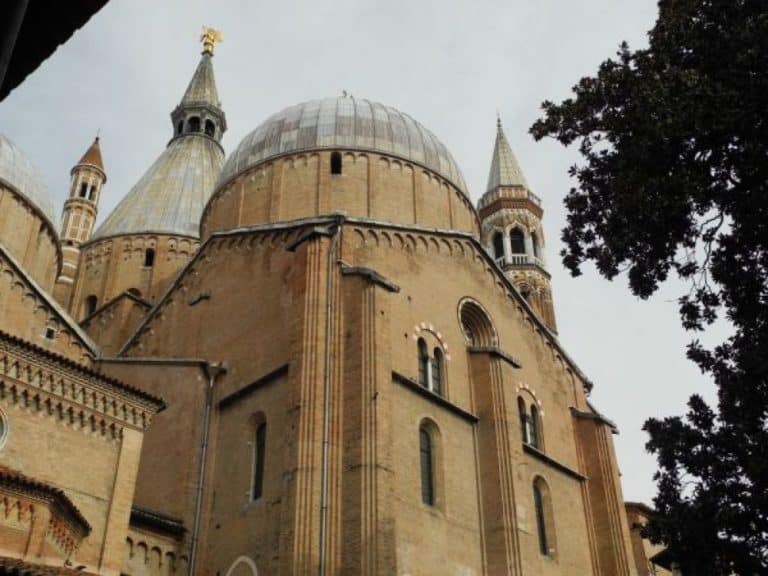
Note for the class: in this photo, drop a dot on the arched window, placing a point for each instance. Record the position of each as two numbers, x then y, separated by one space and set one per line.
498 245
535 433
517 240
210 128
336 163
426 455
476 324
423 363
83 190
180 127
545 519
149 257
90 304
437 371
91 192
259 452
194 124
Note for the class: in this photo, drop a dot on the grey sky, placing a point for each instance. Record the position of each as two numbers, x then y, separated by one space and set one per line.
449 64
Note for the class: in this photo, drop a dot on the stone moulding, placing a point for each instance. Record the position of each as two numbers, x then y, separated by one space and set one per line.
414 386
275 374
42 381
143 517
556 464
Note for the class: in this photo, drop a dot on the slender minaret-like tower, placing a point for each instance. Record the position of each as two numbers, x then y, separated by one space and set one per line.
79 214
511 229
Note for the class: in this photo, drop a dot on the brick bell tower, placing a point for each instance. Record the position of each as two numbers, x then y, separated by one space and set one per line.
511 229
79 215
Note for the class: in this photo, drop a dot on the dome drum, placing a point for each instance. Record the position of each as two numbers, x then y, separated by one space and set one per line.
369 185
340 154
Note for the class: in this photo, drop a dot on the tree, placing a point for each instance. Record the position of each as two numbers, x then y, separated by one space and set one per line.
674 180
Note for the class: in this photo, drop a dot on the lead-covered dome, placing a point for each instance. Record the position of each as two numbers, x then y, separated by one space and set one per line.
18 173
344 123
170 197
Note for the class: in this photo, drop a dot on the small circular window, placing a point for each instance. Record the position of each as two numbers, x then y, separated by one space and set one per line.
3 428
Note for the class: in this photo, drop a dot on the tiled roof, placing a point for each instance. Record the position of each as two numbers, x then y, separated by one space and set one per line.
23 483
15 567
92 156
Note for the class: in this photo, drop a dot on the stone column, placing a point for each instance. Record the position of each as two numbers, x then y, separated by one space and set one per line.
507 247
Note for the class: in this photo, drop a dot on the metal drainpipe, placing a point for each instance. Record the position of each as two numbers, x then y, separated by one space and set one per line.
212 371
326 397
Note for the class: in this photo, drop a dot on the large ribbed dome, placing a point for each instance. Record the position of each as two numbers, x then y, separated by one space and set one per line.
347 123
170 197
17 172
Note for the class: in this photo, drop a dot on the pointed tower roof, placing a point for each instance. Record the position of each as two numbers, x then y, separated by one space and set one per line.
170 197
505 171
202 88
92 156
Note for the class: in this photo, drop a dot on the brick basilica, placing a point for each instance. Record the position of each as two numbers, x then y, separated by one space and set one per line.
314 355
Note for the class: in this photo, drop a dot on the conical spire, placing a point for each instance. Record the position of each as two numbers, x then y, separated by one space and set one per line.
199 111
170 197
505 171
92 156
202 87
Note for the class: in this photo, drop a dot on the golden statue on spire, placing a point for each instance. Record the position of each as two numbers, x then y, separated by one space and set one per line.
210 38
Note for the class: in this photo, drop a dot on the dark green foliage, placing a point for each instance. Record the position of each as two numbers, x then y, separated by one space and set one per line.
674 140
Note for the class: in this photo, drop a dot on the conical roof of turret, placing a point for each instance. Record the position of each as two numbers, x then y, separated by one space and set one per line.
92 156
202 87
169 198
505 171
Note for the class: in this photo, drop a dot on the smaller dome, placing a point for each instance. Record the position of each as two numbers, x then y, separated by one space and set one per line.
18 173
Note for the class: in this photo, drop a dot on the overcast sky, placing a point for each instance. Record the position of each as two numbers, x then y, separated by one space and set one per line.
450 64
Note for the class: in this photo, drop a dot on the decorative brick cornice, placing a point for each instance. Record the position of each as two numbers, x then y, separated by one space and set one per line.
39 380
67 526
511 203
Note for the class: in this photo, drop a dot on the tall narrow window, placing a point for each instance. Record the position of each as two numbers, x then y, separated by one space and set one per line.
194 124
427 467
538 503
180 127
83 190
92 193
437 372
210 128
336 163
259 449
517 240
523 420
90 304
149 257
423 363
498 245
535 423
